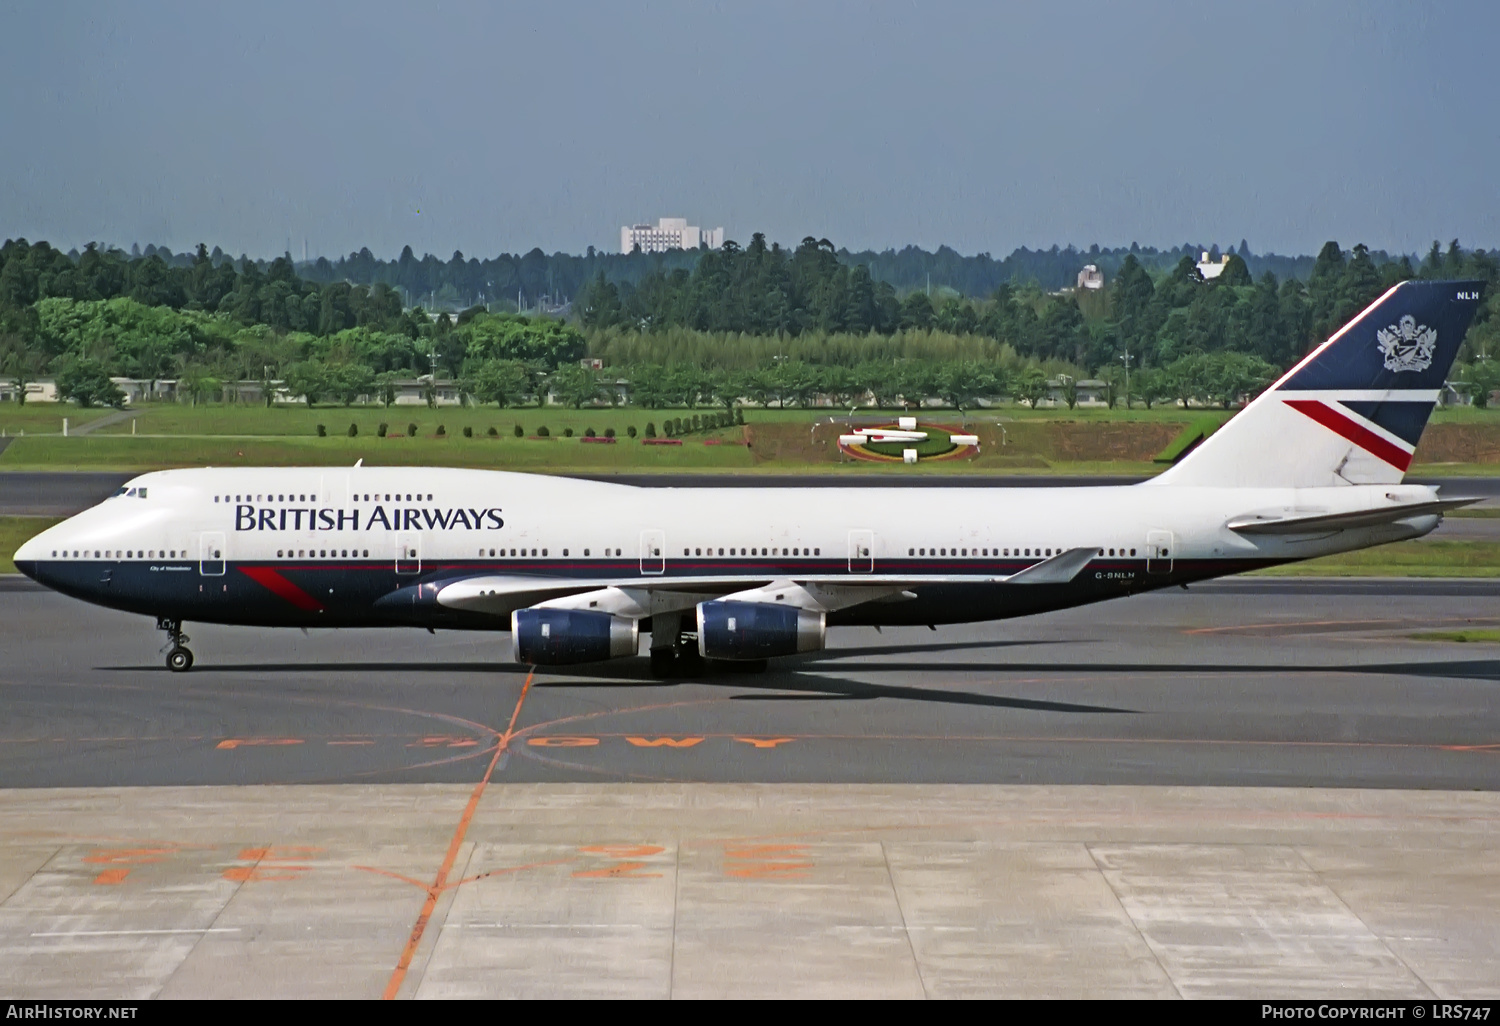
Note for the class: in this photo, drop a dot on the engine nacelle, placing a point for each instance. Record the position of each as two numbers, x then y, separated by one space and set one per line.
558 637
757 630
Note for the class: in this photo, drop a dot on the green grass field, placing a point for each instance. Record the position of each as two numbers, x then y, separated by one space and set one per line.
16 530
174 419
1479 634
1423 558
143 453
44 418
1015 440
239 419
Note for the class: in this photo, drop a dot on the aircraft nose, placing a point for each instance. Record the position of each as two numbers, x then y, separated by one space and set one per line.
32 553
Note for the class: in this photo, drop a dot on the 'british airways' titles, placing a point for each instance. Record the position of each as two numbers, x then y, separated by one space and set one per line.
304 518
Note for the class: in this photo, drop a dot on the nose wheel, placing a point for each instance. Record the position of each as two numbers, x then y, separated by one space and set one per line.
179 658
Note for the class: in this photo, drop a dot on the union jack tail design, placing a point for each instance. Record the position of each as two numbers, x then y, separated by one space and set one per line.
1352 412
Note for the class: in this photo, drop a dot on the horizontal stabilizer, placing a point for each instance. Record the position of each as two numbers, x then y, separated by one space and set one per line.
1060 569
1304 523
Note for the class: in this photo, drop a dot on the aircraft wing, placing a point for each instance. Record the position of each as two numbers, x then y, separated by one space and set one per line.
500 595
1295 522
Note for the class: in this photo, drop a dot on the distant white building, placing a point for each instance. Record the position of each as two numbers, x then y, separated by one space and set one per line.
1090 392
38 390
1090 277
668 233
1211 269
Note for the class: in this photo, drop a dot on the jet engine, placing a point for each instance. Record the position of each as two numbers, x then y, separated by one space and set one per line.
757 630
558 637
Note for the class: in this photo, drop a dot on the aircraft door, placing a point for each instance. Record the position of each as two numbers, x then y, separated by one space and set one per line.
653 552
333 489
408 553
211 554
1159 545
861 552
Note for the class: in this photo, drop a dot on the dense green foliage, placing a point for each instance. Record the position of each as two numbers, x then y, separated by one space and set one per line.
760 323
779 299
207 321
461 281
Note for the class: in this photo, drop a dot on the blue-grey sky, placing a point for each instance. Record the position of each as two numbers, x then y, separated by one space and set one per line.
492 127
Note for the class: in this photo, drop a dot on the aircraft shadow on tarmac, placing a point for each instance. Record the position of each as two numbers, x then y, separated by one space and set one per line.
817 673
818 687
625 670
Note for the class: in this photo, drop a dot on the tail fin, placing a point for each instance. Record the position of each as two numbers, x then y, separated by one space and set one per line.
1353 410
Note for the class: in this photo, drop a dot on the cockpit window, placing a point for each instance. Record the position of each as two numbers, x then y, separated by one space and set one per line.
117 491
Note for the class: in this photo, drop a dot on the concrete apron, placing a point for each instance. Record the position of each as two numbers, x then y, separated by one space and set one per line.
697 890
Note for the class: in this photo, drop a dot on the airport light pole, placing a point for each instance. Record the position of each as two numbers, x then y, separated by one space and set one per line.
1126 360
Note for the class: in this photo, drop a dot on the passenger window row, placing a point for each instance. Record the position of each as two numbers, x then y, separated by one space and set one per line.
120 554
1031 551
304 497
320 553
758 551
523 553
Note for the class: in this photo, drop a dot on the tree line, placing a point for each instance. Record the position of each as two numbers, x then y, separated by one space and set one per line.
787 316
1143 318
502 281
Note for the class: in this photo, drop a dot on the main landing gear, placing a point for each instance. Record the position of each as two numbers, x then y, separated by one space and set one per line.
180 658
678 657
674 652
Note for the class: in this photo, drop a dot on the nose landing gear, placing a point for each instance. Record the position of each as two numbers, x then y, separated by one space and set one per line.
180 658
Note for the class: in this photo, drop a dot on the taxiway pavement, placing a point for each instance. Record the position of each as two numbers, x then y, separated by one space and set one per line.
1253 682
717 890
1005 810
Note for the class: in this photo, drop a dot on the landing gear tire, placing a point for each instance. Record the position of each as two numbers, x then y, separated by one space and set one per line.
179 659
663 663
681 661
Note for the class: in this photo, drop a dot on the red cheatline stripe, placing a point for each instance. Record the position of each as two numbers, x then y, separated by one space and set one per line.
1361 436
281 587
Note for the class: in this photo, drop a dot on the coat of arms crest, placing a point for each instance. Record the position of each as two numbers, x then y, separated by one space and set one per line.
1407 345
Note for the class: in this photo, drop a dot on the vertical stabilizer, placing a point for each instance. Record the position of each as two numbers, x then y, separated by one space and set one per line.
1352 411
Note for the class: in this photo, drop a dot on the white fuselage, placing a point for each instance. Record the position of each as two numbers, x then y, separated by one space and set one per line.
396 527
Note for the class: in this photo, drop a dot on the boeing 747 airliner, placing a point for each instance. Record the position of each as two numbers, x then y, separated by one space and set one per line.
575 570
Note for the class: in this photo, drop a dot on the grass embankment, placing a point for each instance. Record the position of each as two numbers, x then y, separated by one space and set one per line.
14 531
1424 558
1482 634
117 453
772 441
243 420
44 418
1012 440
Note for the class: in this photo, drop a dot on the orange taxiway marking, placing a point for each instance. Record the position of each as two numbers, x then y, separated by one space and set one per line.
236 742
779 861
438 884
122 860
669 742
